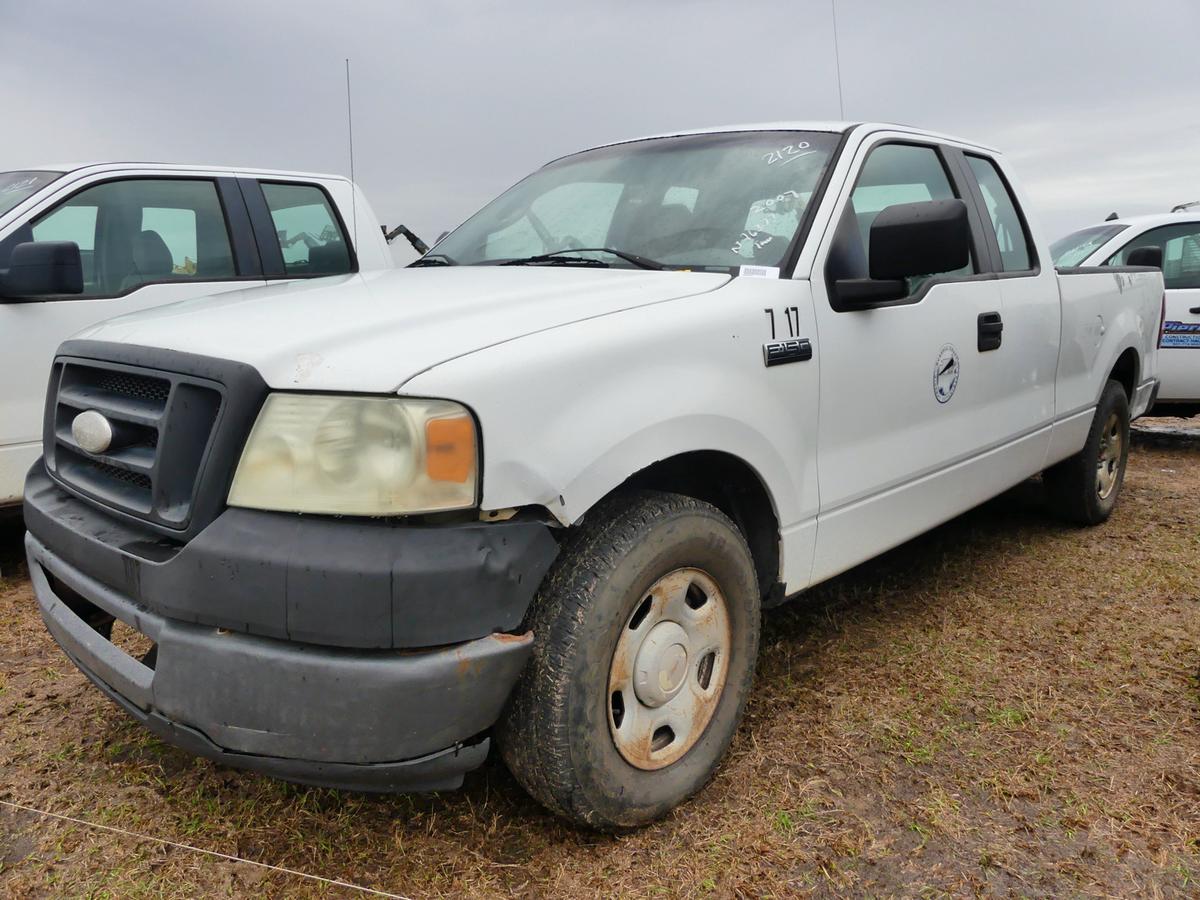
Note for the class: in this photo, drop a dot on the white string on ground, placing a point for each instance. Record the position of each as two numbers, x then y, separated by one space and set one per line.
250 862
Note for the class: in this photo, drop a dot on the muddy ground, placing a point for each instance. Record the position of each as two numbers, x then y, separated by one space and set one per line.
1006 706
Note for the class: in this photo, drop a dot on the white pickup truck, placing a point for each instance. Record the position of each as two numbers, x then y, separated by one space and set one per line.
146 235
1171 242
539 486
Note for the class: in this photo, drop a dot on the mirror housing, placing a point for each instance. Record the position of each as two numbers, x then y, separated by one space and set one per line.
1146 256
909 240
41 269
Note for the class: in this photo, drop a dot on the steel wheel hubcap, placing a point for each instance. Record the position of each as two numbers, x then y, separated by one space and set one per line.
1108 466
668 669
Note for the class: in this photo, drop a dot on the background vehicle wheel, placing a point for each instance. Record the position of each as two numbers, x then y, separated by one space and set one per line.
646 634
1084 488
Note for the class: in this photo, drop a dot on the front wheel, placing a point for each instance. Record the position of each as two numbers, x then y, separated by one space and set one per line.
646 633
1084 488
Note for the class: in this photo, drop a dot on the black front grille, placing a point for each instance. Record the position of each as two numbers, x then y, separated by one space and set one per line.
138 387
162 425
137 479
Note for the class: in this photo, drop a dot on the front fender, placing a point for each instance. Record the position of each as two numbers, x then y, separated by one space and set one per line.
569 414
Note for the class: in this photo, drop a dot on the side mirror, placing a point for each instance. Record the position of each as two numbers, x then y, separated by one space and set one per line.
42 268
1145 256
908 240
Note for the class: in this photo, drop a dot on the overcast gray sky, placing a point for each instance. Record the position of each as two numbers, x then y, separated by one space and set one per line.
1095 102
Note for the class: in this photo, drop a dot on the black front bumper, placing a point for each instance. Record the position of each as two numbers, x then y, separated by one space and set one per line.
246 678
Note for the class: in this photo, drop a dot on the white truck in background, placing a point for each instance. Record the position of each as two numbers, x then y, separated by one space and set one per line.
80 244
1171 242
538 486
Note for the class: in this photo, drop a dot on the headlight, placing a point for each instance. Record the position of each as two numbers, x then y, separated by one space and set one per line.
358 456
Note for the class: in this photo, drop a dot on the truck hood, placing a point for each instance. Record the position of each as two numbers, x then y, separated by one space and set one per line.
375 331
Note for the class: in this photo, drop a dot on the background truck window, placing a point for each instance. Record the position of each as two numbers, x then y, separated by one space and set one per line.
1002 210
73 222
309 233
1181 253
1079 245
139 231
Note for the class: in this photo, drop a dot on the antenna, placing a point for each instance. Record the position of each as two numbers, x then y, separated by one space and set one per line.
837 59
353 182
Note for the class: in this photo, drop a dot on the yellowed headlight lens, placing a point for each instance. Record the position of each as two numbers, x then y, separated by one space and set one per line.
362 456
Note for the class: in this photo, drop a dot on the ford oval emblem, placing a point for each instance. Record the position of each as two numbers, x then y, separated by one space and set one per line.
92 432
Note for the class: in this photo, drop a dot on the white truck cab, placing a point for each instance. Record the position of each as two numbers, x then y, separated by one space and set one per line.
1176 238
538 486
145 235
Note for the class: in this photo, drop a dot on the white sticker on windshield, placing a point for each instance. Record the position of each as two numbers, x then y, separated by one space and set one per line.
759 271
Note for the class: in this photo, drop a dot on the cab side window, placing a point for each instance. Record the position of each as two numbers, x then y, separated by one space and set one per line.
142 231
1181 253
892 174
309 233
1002 210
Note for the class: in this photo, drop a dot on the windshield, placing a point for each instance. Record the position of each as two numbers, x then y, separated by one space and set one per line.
714 201
1079 245
16 186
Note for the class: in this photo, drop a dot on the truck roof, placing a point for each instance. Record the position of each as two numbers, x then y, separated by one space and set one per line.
835 127
116 166
1152 220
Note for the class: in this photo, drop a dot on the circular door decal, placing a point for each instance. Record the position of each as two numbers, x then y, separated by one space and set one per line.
945 374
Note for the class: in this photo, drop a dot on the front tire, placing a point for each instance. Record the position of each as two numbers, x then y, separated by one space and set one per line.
646 634
1084 488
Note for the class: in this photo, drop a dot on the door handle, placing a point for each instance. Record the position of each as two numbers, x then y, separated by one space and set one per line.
1195 310
991 331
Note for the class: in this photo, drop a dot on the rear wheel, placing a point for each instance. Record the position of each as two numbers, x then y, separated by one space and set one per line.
1084 488
646 635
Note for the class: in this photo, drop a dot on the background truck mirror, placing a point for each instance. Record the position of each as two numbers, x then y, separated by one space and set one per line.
1145 256
42 268
909 239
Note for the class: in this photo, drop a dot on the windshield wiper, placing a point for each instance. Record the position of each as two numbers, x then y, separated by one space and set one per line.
555 257
433 259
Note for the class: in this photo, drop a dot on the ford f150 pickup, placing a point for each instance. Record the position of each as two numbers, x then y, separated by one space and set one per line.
1173 242
537 487
80 244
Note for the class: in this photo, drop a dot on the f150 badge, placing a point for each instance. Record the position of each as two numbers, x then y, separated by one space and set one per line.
776 353
945 374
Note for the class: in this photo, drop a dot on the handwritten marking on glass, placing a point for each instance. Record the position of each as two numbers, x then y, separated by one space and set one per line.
786 154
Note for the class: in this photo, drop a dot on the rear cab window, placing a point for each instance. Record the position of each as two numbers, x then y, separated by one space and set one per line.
1012 237
310 233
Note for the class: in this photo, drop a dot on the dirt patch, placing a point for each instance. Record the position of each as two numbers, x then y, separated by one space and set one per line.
1004 706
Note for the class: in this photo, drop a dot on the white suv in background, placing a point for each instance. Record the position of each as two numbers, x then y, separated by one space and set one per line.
81 244
1177 235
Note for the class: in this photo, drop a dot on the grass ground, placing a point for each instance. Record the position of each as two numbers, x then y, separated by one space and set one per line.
1005 706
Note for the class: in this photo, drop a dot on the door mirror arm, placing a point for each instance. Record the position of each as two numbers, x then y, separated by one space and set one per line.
868 293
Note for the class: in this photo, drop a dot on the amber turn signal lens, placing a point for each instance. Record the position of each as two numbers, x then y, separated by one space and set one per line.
450 449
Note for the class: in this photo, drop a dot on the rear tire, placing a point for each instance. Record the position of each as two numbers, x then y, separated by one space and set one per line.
1084 488
646 633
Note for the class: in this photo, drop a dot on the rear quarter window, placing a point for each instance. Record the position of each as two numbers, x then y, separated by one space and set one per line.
310 235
